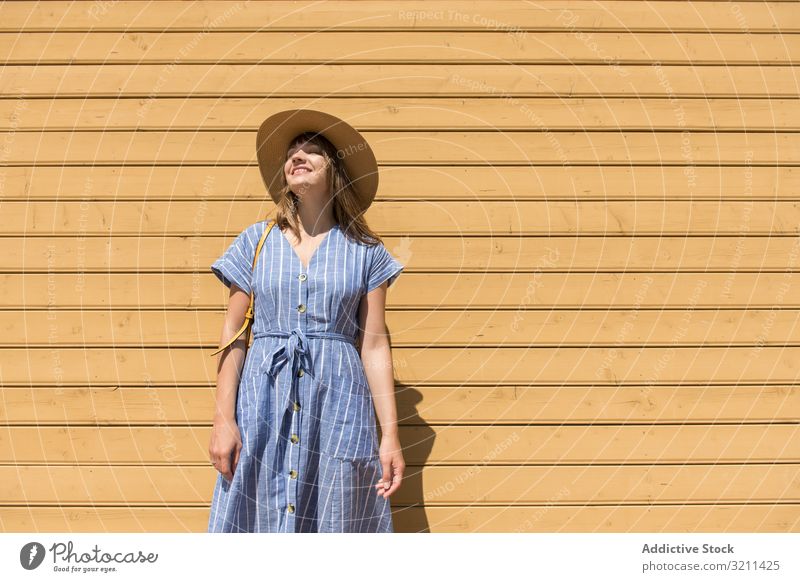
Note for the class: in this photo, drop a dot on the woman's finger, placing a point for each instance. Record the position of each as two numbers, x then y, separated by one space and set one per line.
236 458
387 486
397 479
224 467
386 478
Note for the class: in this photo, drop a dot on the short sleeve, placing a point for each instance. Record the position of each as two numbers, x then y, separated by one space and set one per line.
236 263
383 267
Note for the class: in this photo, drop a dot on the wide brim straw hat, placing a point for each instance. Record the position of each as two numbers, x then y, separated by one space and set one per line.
352 149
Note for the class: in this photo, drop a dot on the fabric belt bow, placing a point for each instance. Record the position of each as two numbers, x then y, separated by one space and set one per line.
295 352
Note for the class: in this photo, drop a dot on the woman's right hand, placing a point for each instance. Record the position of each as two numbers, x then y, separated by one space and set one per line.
226 443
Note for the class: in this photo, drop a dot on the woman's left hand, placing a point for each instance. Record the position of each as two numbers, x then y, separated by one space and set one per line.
393 466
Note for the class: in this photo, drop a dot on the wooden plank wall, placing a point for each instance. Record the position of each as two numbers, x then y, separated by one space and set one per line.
597 204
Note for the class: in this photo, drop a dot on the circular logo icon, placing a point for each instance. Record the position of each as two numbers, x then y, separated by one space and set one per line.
31 555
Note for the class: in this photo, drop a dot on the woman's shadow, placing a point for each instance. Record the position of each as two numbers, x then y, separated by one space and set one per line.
416 439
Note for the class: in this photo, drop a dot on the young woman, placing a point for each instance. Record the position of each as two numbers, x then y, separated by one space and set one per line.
294 436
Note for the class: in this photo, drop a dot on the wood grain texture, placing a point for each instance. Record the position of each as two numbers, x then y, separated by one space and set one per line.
545 518
424 113
457 366
455 219
432 183
422 408
385 81
432 485
408 15
668 48
420 327
518 292
517 445
419 148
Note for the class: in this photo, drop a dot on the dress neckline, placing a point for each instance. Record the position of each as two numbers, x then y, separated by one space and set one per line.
314 253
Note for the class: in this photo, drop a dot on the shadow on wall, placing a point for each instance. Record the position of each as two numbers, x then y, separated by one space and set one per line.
411 517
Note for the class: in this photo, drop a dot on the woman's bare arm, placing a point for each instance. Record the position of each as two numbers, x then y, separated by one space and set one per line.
376 356
231 359
226 442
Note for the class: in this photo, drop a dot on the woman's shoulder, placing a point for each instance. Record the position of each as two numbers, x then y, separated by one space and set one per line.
255 230
368 242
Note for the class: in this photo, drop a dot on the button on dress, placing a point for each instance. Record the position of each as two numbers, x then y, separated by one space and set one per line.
309 460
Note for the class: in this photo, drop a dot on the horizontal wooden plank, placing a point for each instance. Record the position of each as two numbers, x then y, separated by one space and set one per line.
475 484
425 405
510 16
148 81
561 365
419 113
441 218
553 47
679 518
443 445
470 327
203 184
416 147
604 519
519 292
444 254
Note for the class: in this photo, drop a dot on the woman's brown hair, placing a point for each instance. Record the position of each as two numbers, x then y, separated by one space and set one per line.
346 209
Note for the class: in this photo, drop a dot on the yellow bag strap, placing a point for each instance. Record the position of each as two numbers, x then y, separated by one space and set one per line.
248 317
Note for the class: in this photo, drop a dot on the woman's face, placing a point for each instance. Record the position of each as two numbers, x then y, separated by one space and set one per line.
305 168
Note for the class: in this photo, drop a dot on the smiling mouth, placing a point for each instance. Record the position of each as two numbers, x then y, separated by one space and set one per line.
298 170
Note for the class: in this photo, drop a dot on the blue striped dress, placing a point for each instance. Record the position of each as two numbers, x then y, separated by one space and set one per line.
309 460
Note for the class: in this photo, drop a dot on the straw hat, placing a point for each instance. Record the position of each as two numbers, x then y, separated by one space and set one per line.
277 131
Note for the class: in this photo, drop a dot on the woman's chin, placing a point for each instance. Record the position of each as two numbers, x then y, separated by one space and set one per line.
303 185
